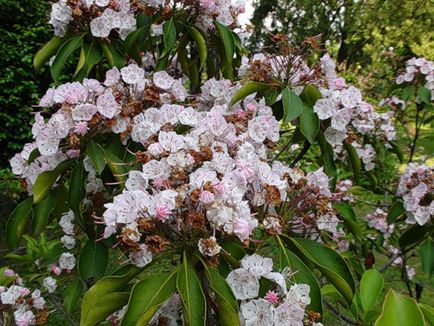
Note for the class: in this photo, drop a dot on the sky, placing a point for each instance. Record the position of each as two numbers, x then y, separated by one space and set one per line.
245 18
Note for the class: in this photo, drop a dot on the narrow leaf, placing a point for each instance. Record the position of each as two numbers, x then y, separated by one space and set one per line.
192 297
228 41
355 162
309 123
396 211
96 154
62 56
72 295
18 221
42 212
292 105
426 252
247 89
201 45
93 260
46 52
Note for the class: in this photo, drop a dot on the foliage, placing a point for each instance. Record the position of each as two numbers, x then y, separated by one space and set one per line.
177 156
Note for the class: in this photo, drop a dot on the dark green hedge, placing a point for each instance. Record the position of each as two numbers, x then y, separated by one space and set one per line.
24 29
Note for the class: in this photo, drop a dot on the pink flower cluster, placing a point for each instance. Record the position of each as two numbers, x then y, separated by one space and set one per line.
416 187
418 69
28 306
280 306
378 221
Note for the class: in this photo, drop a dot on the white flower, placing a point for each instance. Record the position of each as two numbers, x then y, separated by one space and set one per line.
325 108
209 247
132 74
163 80
50 284
142 257
67 261
24 317
299 293
68 241
244 284
257 313
257 265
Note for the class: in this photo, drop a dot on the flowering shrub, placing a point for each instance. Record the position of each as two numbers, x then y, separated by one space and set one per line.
167 164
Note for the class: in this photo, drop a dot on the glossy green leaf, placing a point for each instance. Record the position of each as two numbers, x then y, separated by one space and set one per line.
426 252
396 211
93 260
103 298
201 46
133 37
92 55
62 56
46 52
72 295
309 123
147 296
415 234
424 94
17 222
42 211
428 313
169 36
225 299
327 157
97 155
329 262
77 191
228 41
117 167
407 92
400 310
247 89
292 105
46 179
355 162
191 294
347 214
303 275
371 285
310 95
113 55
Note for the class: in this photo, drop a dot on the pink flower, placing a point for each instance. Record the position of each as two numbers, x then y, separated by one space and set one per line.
251 107
81 128
56 270
163 212
272 297
218 187
72 153
241 114
242 229
340 83
24 291
246 171
206 197
9 273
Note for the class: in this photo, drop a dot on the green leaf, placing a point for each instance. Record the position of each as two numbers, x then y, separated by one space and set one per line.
371 285
428 313
72 295
328 161
92 55
310 95
347 214
415 234
407 92
18 221
247 89
355 162
201 45
42 211
228 41
424 94
400 310
46 52
396 211
77 191
292 105
329 262
303 275
114 57
192 297
97 155
118 168
426 252
104 297
132 38
397 150
169 37
93 260
62 56
226 302
147 296
46 179
309 123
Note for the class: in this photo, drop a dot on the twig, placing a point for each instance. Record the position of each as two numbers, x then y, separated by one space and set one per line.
301 154
284 148
59 306
341 316
416 135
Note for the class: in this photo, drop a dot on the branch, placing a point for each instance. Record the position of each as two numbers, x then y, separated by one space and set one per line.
301 154
341 316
